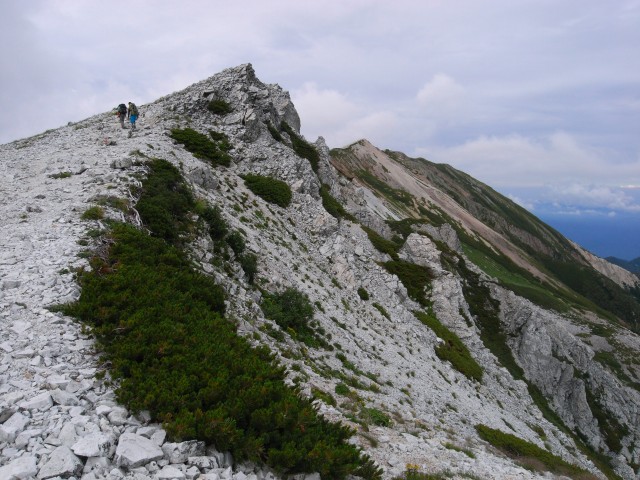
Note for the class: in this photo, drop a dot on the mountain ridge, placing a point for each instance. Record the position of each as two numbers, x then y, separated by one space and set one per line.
388 359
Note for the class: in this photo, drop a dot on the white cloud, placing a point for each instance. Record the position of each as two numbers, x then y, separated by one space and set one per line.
341 121
522 161
593 196
441 95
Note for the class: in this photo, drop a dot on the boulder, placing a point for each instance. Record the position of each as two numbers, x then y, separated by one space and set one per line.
21 468
135 450
62 463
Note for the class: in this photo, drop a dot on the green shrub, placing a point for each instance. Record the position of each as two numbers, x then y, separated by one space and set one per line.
395 195
161 327
93 213
363 294
200 146
452 349
381 309
274 133
165 201
118 203
236 242
60 175
332 206
302 148
415 278
249 264
219 107
342 389
382 244
324 396
269 189
290 309
218 226
416 475
222 141
523 452
373 416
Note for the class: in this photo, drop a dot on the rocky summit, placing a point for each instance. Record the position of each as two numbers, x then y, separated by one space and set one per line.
456 335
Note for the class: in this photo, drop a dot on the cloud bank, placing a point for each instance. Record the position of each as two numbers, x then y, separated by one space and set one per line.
539 100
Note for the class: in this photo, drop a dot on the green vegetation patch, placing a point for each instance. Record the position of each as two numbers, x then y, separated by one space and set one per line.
452 349
161 327
363 294
395 195
528 454
333 206
415 278
165 201
60 175
373 416
269 189
93 213
381 244
219 107
293 312
301 147
201 146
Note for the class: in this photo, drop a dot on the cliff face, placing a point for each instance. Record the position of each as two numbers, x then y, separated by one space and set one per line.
556 370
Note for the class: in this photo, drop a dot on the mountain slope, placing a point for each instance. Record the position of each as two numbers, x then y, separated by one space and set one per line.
487 220
414 346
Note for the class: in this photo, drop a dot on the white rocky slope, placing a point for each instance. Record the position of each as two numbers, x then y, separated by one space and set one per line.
58 419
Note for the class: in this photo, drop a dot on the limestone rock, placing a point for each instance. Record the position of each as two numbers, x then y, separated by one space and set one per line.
62 463
180 452
21 468
135 450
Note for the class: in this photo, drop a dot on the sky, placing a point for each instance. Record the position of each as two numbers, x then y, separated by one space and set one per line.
539 99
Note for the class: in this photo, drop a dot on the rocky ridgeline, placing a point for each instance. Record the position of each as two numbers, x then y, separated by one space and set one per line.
59 417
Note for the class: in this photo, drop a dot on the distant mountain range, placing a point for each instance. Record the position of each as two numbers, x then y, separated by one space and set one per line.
631 265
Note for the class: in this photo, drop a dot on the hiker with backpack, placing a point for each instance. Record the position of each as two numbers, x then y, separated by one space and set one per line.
121 112
132 114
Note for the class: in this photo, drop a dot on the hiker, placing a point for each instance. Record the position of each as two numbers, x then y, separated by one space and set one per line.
132 114
121 112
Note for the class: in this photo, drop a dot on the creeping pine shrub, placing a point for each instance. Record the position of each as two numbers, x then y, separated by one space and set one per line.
249 264
165 201
218 226
221 140
293 312
269 189
236 242
363 294
375 417
93 213
415 278
452 349
527 453
301 147
219 107
201 146
332 206
274 133
161 327
382 244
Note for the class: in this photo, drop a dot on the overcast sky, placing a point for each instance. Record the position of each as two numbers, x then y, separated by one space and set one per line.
540 99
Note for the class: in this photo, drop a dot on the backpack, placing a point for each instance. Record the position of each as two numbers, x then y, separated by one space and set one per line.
133 110
122 109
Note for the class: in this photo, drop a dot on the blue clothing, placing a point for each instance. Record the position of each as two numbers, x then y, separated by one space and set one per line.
133 118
